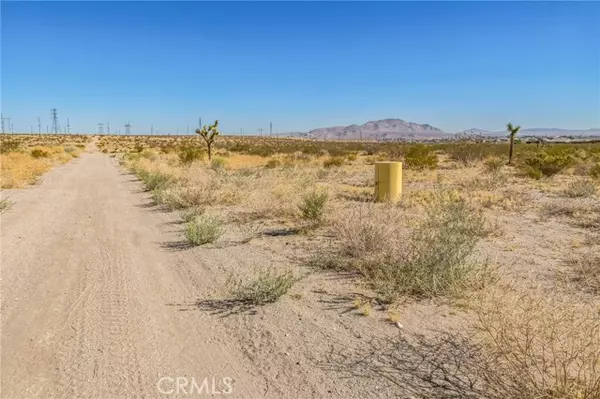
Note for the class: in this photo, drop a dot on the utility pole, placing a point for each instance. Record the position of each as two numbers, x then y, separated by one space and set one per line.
55 125
200 123
12 128
2 118
260 130
39 126
151 129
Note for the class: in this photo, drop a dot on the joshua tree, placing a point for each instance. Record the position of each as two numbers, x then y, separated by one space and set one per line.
512 132
209 134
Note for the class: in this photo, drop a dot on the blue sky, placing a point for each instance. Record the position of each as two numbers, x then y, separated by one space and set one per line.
454 65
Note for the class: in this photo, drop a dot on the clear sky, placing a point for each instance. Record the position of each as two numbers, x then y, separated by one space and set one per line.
302 65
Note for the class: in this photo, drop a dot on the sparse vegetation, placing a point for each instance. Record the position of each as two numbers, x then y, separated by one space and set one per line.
420 157
313 206
580 189
5 204
267 286
203 230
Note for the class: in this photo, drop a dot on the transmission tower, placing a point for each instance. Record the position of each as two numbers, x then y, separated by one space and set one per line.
151 129
2 118
128 128
260 130
108 128
101 128
39 126
68 126
55 125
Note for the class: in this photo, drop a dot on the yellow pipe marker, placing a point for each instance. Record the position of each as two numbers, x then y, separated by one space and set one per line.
388 181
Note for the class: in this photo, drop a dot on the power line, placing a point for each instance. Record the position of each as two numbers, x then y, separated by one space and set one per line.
55 125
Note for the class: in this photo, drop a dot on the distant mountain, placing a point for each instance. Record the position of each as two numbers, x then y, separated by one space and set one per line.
385 129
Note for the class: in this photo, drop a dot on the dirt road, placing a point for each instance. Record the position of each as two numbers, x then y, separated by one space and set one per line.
86 294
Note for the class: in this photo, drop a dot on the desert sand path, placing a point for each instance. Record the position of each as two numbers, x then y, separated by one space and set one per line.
86 288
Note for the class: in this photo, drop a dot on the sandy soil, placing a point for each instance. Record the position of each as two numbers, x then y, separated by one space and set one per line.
99 299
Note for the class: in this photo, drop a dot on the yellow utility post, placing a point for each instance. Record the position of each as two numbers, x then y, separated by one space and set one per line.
388 181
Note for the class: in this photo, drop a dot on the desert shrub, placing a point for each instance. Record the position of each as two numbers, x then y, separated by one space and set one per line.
334 161
71 150
595 171
313 206
435 259
467 154
420 157
155 180
203 230
367 231
493 165
546 164
585 272
580 188
542 345
273 163
5 204
268 286
191 214
189 155
7 146
39 153
148 154
218 163
352 156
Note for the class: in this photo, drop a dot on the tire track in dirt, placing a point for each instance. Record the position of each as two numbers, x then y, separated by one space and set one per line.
85 304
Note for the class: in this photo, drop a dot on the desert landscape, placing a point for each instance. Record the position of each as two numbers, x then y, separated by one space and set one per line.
131 261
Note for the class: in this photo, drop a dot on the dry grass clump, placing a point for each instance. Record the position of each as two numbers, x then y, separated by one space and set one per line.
267 286
541 345
580 188
585 272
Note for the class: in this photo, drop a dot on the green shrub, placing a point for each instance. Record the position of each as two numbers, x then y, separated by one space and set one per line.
313 206
546 164
420 157
203 230
334 161
189 155
435 260
5 204
267 287
155 180
580 188
39 153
